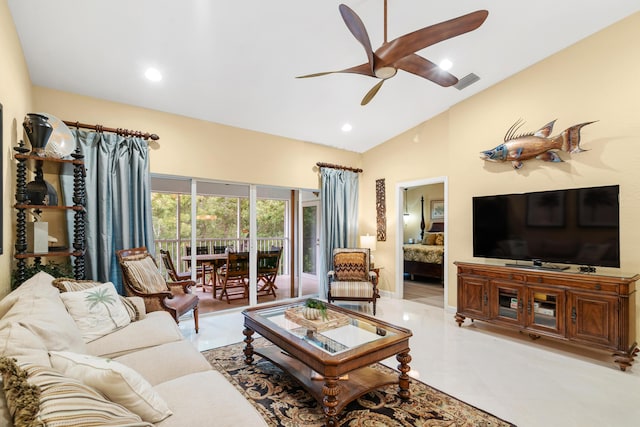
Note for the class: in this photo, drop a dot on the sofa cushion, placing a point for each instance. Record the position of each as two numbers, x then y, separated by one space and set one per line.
38 284
143 275
97 310
46 316
152 364
224 405
118 383
156 328
19 342
67 402
66 284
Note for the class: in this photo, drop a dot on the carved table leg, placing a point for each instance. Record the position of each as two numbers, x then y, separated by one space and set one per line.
460 319
248 349
330 391
403 367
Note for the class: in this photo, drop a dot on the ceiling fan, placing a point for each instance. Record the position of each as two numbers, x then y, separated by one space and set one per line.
400 53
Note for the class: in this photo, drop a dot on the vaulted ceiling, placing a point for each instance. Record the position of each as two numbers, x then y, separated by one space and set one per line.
235 62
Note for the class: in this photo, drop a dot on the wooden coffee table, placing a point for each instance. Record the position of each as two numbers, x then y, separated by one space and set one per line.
332 361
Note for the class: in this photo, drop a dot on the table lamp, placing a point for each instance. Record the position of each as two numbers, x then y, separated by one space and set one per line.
368 242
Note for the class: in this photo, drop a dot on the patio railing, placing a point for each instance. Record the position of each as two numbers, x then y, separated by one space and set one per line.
178 248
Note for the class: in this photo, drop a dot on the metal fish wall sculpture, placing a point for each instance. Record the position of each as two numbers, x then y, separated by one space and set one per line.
535 145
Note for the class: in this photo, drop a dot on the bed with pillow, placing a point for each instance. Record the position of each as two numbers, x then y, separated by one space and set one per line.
426 258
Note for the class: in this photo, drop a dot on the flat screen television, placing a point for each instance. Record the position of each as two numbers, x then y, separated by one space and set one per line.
573 226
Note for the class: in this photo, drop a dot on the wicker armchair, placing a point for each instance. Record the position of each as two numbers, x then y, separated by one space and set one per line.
351 278
142 278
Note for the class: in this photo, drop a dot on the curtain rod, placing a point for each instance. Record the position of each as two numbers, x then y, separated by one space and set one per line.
332 166
119 131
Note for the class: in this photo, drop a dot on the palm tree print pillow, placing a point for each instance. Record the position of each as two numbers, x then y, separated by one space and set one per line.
97 311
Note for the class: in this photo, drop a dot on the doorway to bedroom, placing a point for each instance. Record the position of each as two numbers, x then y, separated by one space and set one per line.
423 242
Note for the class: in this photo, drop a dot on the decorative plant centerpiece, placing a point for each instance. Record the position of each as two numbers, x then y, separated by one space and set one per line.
314 309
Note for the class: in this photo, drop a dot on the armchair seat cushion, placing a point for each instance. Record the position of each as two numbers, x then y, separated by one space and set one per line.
182 303
351 290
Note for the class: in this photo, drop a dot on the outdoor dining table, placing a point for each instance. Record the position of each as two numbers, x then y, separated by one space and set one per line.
214 260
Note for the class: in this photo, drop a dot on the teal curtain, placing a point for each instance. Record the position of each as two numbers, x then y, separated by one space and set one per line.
339 226
118 200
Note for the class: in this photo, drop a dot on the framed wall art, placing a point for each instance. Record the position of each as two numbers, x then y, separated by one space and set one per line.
437 210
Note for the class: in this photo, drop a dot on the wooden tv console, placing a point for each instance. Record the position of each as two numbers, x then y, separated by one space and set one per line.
588 309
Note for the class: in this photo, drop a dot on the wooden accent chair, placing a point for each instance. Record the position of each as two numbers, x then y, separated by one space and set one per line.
268 265
142 278
234 274
351 278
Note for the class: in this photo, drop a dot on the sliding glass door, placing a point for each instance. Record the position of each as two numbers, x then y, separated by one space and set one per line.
217 219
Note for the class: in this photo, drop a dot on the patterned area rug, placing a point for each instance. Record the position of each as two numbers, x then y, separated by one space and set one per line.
283 402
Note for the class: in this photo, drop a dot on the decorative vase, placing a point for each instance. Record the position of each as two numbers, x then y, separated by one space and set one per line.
40 192
38 131
62 142
311 313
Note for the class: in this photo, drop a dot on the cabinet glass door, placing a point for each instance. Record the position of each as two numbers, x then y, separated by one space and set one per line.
545 308
509 302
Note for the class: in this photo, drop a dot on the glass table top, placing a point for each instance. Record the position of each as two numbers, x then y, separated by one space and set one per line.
341 332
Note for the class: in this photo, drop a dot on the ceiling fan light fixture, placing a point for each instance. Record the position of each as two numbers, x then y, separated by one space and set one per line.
445 64
385 72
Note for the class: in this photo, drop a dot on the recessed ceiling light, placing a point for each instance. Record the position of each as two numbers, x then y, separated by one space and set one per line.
153 74
445 64
346 127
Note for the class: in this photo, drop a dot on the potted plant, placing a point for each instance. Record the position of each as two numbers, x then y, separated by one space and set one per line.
314 309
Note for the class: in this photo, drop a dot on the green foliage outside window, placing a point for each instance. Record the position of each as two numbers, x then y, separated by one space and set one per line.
216 217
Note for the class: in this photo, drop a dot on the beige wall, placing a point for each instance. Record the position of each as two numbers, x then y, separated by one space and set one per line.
190 147
592 80
15 96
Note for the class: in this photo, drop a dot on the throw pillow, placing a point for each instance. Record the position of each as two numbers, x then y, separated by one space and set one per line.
65 401
119 383
440 239
97 311
23 399
38 284
350 266
143 275
66 284
429 239
18 342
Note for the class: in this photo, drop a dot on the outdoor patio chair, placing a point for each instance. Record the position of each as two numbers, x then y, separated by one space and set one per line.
173 273
142 278
351 279
233 275
268 265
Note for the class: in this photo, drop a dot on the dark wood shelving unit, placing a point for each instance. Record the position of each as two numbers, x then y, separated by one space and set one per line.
23 206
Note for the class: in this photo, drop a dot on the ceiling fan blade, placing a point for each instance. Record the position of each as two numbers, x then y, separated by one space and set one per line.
369 96
357 28
416 64
410 43
358 69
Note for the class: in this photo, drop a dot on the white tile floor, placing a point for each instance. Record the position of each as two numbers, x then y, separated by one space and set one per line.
532 384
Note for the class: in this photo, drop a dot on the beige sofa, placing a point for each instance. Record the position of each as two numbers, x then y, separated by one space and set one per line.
35 326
